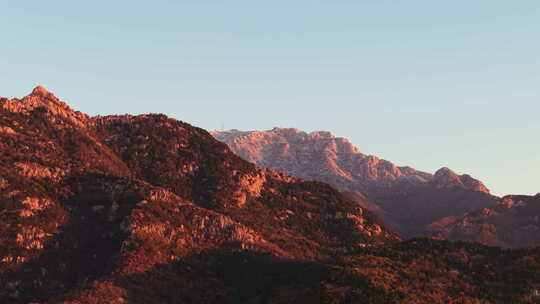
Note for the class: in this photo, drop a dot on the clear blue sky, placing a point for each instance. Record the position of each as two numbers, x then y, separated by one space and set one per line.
421 83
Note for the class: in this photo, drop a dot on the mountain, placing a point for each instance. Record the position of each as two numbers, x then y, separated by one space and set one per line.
83 197
406 198
514 222
148 209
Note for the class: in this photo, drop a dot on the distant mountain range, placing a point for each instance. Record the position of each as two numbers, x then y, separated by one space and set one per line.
147 209
406 198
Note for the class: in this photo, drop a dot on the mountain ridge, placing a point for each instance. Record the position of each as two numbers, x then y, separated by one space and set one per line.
322 156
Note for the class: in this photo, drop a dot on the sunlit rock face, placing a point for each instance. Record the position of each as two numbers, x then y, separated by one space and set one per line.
42 100
95 200
315 154
405 198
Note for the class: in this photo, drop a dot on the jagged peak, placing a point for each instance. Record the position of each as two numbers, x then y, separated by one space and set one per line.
445 177
44 97
41 91
445 171
41 98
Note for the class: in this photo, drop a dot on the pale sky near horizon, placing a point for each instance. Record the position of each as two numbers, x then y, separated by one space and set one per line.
427 84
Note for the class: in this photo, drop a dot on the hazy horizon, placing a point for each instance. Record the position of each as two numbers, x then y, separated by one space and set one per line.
422 84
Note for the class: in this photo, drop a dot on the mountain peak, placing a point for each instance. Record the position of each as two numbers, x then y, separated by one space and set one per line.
41 91
41 98
44 95
445 178
445 171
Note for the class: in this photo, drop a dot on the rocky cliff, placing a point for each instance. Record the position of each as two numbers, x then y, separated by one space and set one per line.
406 198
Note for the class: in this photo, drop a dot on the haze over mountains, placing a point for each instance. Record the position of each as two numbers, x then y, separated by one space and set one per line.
148 209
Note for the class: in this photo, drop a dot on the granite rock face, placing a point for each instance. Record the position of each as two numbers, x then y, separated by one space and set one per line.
308 155
405 198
